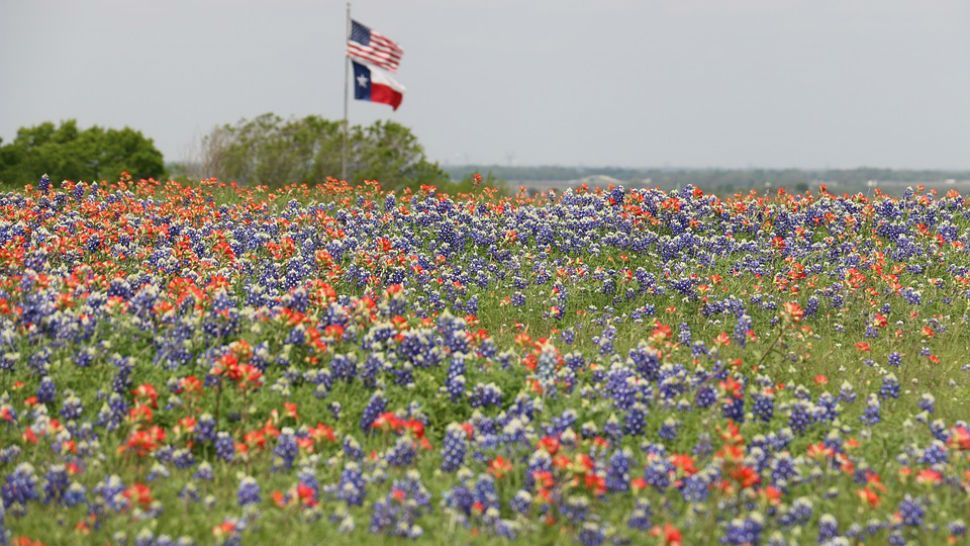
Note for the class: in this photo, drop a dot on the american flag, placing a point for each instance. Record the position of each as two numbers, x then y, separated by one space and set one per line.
372 47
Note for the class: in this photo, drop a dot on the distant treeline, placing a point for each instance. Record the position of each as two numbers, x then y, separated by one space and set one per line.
273 150
714 179
265 150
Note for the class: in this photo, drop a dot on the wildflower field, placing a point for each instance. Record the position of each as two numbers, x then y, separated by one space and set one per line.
214 364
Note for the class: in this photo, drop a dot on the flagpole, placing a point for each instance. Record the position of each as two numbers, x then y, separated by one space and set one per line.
343 155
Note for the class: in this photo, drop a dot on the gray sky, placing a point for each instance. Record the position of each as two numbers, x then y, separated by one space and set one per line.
733 83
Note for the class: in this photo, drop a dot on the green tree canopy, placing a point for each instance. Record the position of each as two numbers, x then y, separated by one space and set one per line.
271 150
66 152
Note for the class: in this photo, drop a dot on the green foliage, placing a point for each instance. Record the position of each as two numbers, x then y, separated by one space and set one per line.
66 152
271 150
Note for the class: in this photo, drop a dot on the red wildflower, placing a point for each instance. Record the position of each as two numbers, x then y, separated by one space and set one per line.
685 463
143 442
794 311
961 437
731 388
929 476
869 496
671 535
148 392
499 466
550 444
139 493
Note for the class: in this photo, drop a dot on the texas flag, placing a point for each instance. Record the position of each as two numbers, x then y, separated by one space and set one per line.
375 85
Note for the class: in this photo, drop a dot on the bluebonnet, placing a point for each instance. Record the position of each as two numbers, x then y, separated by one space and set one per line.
248 492
374 408
20 486
352 488
911 512
453 448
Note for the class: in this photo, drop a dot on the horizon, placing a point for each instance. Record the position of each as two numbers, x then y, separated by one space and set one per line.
701 168
961 171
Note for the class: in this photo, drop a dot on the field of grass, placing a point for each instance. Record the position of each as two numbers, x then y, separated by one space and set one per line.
209 364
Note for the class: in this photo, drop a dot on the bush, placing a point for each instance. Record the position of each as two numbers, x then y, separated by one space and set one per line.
66 152
273 151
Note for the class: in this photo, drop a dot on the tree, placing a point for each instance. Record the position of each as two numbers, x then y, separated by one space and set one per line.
271 150
65 152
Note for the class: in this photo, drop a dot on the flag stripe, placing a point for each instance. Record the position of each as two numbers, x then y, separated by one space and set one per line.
370 51
380 41
373 47
385 61
386 52
354 48
386 94
376 61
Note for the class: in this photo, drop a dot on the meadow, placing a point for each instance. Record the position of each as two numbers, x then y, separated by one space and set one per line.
217 364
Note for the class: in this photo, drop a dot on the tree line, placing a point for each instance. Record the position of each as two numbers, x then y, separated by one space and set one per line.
272 150
267 149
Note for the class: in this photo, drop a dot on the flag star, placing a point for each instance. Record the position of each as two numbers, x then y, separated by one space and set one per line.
362 80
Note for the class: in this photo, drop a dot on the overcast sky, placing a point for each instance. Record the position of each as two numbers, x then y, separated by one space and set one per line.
732 83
